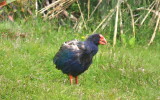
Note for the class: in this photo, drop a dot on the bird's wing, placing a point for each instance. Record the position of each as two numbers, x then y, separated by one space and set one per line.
69 53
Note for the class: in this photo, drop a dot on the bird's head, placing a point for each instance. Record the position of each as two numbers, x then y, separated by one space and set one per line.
97 39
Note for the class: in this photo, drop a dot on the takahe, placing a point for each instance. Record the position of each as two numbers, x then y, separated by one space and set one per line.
75 57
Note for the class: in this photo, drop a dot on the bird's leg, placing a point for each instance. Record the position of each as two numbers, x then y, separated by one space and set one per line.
76 79
71 80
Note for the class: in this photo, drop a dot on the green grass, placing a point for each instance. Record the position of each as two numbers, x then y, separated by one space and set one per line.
27 70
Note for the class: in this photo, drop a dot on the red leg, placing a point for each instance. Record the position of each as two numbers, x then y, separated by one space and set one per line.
71 79
76 78
11 18
3 3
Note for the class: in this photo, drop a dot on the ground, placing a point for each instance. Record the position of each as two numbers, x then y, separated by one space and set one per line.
27 70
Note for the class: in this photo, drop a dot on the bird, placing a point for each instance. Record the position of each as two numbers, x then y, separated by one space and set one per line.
74 57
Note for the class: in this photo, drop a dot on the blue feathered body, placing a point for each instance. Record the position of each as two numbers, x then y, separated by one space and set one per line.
74 57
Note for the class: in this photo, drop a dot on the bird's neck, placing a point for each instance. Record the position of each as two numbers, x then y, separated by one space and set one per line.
91 42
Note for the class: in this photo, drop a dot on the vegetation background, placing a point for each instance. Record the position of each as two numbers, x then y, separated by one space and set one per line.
31 32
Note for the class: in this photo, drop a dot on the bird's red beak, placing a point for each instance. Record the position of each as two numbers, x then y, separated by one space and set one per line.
102 40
